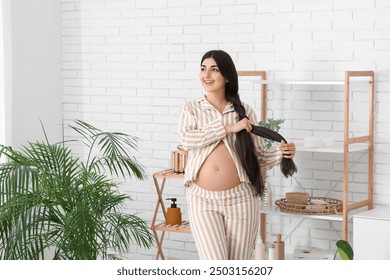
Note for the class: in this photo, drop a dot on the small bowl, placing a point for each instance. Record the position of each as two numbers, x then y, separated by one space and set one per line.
297 198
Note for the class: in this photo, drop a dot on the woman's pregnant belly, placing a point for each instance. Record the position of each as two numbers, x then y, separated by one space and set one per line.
218 172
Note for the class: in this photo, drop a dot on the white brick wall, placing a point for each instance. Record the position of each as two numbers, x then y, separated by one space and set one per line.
129 65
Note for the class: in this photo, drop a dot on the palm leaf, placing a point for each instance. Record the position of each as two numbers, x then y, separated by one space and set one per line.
115 151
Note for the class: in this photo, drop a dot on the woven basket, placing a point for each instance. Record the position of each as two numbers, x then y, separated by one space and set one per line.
332 206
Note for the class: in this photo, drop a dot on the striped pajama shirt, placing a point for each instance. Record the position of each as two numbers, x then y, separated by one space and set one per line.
224 223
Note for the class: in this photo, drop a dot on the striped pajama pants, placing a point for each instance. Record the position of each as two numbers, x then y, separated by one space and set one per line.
224 224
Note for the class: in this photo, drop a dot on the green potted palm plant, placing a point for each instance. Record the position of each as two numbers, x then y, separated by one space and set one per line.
53 201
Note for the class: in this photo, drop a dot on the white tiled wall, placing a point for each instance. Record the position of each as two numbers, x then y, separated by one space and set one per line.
129 65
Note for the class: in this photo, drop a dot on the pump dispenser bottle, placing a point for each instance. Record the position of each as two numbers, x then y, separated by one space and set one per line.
173 216
279 247
260 249
271 252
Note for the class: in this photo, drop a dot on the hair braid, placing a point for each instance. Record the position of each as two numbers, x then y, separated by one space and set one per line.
245 149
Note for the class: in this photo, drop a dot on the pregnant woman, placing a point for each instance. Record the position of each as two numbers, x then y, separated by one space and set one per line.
226 163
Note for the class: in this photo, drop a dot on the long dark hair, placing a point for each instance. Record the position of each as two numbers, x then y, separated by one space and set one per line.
244 144
287 165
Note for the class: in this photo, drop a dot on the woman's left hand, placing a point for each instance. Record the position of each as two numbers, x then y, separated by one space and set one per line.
287 149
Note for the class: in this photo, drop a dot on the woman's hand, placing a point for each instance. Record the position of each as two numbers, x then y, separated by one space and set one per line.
238 126
287 149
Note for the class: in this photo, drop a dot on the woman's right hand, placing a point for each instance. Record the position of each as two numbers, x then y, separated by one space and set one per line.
240 125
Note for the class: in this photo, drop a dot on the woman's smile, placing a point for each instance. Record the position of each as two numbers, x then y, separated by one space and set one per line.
208 82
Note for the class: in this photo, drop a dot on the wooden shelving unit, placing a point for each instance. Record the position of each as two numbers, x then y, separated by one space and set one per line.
349 145
159 179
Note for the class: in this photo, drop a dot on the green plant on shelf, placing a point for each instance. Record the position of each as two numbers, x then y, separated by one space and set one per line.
273 124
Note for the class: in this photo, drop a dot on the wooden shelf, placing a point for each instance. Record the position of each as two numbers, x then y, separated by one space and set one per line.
276 82
338 148
276 211
183 227
255 80
309 82
168 173
159 179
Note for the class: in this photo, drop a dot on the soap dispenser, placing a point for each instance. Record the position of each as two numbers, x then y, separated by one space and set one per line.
279 247
173 216
271 252
259 249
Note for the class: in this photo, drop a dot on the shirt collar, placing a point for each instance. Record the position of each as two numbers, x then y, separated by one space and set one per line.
206 105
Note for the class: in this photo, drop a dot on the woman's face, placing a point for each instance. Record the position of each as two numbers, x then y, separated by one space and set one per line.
210 77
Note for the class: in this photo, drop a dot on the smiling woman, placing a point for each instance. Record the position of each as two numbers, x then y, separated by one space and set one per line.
223 171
